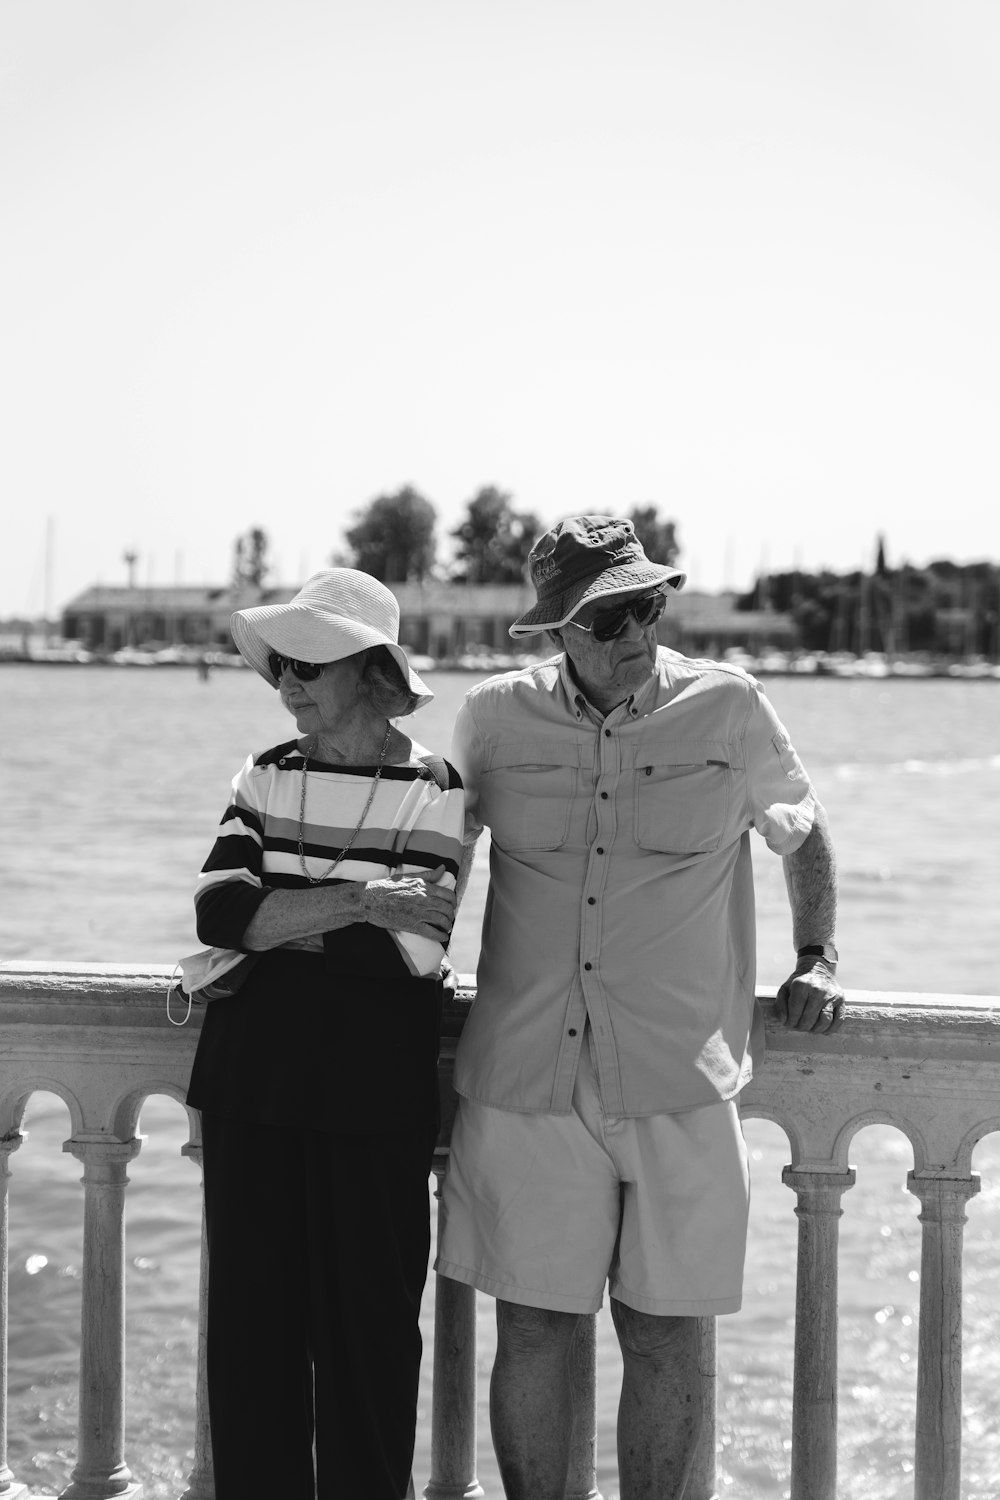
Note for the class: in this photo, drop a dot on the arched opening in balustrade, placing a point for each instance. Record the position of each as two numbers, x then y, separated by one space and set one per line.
755 1345
45 1246
879 1300
163 1242
162 1268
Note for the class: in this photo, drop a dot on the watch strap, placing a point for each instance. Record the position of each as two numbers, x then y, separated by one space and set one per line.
825 951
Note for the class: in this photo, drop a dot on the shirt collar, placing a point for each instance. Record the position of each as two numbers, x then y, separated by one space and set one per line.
580 706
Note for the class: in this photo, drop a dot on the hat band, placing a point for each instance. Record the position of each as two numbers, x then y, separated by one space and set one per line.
555 578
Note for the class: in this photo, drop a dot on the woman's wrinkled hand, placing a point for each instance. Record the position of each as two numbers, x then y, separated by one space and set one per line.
411 903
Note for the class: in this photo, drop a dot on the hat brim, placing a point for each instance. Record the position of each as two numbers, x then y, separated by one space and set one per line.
559 610
309 634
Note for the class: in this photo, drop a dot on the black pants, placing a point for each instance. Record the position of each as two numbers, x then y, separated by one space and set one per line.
318 1251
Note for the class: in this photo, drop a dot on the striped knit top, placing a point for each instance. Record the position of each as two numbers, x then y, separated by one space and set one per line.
413 827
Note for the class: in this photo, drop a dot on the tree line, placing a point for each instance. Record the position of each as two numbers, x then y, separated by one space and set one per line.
944 607
394 538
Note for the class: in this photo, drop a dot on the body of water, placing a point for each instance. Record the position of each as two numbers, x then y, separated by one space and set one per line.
114 783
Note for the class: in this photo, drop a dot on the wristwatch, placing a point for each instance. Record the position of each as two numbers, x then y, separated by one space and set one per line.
826 951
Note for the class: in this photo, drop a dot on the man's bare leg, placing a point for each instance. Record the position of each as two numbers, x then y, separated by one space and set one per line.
659 1417
531 1407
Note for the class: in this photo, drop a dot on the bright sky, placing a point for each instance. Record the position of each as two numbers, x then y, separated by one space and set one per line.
264 261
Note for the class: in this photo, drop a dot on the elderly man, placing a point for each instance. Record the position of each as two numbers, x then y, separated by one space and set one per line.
598 1137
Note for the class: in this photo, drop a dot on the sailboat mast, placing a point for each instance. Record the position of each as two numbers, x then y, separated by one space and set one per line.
50 548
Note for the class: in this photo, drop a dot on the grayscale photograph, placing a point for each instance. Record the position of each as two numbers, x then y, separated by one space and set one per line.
500 651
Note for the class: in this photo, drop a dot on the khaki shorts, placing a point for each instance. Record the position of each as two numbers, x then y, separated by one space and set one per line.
545 1209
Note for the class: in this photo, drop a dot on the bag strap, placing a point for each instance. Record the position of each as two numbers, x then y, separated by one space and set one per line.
182 993
435 764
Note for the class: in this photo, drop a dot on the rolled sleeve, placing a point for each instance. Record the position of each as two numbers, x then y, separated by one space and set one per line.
230 887
782 803
467 752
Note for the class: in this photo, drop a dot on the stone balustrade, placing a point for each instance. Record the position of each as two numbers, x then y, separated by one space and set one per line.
98 1036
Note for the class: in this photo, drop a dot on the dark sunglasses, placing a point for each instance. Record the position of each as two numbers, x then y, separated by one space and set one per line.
305 671
611 622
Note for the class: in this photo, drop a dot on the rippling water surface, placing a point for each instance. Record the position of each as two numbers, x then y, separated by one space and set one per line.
114 782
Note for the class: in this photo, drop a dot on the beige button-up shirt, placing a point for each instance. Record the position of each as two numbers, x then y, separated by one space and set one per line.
621 889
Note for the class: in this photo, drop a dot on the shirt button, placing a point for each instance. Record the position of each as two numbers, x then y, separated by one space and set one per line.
604 796
572 1031
598 851
607 734
591 900
588 966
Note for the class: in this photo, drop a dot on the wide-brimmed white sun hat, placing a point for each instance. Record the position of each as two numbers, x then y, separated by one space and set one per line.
339 612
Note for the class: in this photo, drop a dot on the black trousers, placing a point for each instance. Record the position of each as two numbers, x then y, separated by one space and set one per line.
318 1252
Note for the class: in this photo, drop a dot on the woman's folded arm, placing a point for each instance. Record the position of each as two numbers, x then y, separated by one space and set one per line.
284 915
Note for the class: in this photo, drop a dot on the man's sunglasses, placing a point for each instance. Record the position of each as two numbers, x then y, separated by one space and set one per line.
305 671
610 623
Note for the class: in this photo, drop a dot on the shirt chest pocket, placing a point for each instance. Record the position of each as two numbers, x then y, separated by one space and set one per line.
529 793
682 798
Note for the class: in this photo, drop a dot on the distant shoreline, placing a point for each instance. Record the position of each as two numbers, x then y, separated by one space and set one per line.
873 667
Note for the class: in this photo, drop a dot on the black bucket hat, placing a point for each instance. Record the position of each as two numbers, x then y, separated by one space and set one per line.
585 558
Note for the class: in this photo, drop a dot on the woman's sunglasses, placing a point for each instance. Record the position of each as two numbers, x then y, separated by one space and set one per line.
610 623
305 671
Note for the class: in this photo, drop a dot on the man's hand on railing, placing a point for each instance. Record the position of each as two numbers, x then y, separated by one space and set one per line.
811 999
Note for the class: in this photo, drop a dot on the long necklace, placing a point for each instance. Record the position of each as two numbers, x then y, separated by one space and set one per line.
318 879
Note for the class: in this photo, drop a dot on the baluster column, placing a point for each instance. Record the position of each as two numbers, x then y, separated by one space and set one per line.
701 1482
453 1406
938 1459
8 1489
814 1400
101 1472
201 1480
581 1480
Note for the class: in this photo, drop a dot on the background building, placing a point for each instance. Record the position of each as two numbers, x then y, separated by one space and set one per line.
442 620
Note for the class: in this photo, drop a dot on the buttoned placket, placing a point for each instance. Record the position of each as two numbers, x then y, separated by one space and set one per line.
609 772
608 769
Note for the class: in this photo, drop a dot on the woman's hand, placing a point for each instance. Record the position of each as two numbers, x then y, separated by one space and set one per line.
410 903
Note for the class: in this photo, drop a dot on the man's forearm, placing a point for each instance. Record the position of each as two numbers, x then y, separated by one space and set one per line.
811 878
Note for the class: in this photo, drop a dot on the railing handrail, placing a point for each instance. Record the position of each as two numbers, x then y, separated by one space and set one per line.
80 998
42 981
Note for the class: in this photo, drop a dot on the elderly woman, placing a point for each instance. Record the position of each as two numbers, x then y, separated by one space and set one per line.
335 866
